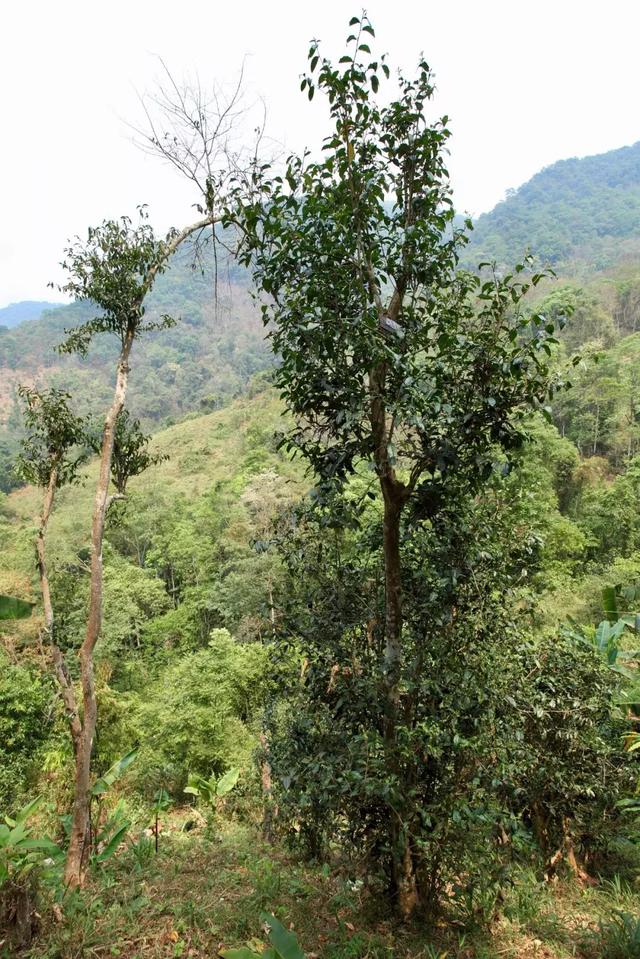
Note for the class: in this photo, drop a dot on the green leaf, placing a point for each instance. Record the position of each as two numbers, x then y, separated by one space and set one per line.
242 953
113 843
227 782
161 800
28 810
284 942
17 835
42 845
114 773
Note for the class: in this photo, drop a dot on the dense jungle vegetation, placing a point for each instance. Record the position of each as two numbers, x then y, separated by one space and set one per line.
358 619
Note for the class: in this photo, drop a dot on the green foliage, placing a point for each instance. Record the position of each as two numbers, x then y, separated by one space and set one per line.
610 513
22 854
104 782
601 412
131 454
114 269
25 723
110 833
331 776
198 717
503 732
580 316
216 349
13 608
394 360
134 597
605 639
461 363
619 936
8 453
283 944
54 441
569 770
212 789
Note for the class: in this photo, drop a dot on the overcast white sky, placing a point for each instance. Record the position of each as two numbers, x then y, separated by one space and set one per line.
525 84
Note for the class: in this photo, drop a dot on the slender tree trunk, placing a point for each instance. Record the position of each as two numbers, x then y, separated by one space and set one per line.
77 855
267 785
60 669
394 495
393 612
404 877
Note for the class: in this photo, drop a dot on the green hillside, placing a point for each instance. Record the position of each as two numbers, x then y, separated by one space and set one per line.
208 356
585 210
220 453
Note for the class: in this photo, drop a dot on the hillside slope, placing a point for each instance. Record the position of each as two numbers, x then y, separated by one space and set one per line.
223 451
584 209
207 358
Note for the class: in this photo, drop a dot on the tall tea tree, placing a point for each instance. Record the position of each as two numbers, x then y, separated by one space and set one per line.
114 270
388 354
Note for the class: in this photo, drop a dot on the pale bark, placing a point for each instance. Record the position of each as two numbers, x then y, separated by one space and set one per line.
78 852
77 855
60 669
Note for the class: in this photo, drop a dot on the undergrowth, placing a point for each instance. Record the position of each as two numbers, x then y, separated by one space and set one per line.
199 895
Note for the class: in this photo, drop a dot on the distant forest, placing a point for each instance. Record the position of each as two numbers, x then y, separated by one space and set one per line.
584 210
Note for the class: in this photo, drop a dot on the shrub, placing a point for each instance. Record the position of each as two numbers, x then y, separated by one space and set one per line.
197 718
25 723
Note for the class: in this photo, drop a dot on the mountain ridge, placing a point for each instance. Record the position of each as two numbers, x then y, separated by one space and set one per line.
22 311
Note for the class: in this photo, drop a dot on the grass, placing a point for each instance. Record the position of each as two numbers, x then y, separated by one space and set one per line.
199 895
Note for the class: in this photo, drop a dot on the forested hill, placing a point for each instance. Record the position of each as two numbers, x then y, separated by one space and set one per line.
582 215
16 313
585 210
207 358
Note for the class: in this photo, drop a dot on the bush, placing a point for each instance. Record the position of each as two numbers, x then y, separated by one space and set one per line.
568 766
198 716
332 776
25 723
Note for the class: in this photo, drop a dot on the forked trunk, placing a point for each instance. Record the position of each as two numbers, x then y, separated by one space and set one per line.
78 853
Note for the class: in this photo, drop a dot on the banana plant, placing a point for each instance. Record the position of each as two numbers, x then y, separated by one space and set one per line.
610 602
212 789
283 944
107 833
606 637
103 783
21 853
161 802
